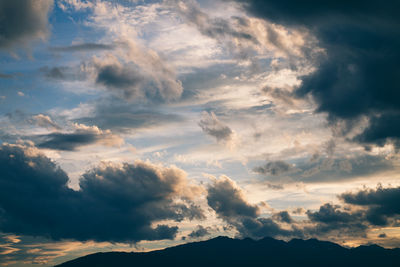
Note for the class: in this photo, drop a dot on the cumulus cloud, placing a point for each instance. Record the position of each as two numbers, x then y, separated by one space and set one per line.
228 201
360 63
381 203
23 21
118 203
333 219
211 125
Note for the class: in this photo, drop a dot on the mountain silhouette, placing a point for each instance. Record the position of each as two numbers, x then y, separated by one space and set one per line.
224 251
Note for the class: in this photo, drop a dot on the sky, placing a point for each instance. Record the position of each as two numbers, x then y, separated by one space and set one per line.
138 125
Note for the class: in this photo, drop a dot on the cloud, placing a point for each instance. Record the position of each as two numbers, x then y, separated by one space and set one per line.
152 80
228 201
274 168
358 78
199 232
23 21
83 47
381 203
364 210
116 202
245 37
82 135
211 125
65 73
330 218
118 115
324 169
45 121
283 216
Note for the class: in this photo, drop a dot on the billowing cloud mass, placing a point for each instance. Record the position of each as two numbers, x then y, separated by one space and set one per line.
381 204
120 202
228 201
358 77
211 125
23 21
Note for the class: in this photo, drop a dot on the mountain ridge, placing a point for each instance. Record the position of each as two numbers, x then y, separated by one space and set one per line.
225 251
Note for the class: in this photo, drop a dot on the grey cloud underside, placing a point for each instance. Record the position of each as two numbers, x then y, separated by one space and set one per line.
211 125
134 82
381 204
66 141
325 169
274 168
114 203
84 47
23 21
120 116
200 231
359 76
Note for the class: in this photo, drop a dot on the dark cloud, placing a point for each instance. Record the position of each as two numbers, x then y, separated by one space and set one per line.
381 203
115 202
211 125
228 201
59 138
283 216
200 231
331 218
83 135
118 77
383 235
84 47
23 21
364 210
274 168
154 83
359 75
67 141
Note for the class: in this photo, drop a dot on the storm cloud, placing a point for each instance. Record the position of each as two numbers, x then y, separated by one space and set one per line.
116 202
23 21
358 77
